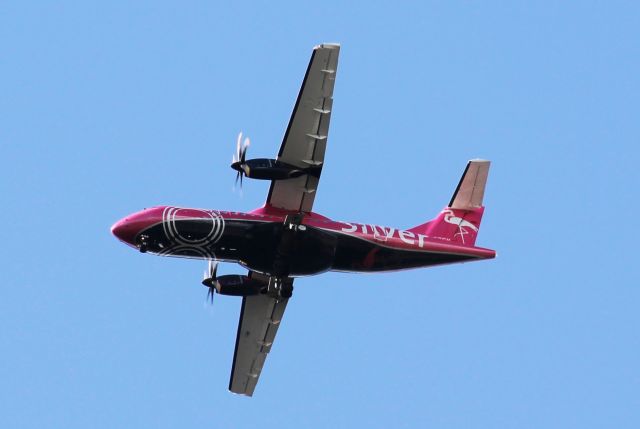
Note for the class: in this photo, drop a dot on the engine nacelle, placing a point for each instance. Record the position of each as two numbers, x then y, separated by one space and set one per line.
271 169
235 285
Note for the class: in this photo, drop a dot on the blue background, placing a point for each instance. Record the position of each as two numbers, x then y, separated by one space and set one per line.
110 107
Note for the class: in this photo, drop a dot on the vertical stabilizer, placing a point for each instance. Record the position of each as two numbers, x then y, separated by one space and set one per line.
470 191
459 222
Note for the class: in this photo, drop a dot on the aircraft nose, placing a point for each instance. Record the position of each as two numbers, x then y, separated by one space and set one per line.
129 228
124 230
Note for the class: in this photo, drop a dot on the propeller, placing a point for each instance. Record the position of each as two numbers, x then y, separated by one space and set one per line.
239 158
210 280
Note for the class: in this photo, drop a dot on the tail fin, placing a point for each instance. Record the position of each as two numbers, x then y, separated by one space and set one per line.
459 222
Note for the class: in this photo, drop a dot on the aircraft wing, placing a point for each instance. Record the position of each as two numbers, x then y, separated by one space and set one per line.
260 317
305 140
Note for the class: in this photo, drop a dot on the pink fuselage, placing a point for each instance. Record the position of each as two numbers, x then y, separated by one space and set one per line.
274 242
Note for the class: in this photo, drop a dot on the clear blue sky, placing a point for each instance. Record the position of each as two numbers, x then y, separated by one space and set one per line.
110 107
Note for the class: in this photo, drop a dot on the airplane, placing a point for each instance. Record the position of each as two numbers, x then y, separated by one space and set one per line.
285 239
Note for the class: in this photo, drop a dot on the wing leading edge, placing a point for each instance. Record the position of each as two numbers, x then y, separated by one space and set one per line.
305 140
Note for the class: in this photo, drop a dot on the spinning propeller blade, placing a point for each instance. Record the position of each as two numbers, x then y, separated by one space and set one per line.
239 158
210 280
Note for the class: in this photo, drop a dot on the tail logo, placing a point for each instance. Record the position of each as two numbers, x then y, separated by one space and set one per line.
460 223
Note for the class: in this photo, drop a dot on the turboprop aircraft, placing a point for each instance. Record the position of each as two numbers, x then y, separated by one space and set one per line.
285 239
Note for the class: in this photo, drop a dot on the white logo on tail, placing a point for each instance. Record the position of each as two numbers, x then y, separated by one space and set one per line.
460 223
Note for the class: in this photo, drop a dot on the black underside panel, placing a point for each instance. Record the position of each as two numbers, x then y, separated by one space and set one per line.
271 248
353 254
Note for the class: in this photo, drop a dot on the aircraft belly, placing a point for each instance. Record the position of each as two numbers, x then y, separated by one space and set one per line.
313 252
275 250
